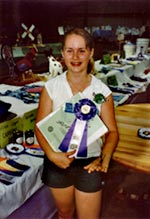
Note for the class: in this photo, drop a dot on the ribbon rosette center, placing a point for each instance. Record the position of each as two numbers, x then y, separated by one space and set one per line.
77 134
85 109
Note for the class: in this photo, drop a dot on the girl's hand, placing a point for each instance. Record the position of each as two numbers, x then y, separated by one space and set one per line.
61 159
93 166
99 164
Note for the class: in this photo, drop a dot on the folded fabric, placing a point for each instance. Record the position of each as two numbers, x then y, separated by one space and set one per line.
24 95
11 167
16 165
121 90
5 182
6 179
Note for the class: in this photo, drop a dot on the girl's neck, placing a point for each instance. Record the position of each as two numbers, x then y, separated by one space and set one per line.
78 83
78 78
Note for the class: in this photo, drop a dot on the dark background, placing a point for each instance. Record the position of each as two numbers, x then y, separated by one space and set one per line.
47 15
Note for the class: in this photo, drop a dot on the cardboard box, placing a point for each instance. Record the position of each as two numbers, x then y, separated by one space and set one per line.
6 130
24 124
28 120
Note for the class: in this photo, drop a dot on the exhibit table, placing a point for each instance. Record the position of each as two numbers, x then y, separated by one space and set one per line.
20 177
133 150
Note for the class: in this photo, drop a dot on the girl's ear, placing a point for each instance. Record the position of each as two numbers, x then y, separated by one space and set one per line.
92 52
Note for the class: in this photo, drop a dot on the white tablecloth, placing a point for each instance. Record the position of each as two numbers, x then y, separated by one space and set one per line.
14 195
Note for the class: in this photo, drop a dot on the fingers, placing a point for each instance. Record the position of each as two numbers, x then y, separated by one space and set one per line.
104 169
70 154
93 167
96 167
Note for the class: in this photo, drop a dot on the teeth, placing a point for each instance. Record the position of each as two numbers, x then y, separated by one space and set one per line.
75 63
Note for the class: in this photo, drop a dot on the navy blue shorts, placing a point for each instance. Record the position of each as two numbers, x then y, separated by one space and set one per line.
56 177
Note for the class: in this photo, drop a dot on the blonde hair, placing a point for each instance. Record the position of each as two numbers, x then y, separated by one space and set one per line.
91 67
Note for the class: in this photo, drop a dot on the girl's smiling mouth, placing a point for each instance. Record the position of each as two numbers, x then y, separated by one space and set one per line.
76 64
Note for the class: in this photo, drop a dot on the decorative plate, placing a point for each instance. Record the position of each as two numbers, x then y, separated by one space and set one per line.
144 133
15 148
35 152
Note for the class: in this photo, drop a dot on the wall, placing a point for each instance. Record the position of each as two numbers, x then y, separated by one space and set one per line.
48 15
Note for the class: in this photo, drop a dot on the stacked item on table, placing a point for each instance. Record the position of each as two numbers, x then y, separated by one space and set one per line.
124 80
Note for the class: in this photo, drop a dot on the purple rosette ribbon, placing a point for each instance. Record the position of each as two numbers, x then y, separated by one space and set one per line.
76 137
85 109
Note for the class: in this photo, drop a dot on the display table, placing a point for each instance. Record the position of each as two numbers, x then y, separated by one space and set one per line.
20 178
132 150
124 79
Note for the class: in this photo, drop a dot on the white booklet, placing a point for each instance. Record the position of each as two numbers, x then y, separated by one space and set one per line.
56 127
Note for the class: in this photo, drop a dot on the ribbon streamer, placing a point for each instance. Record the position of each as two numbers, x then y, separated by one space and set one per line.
76 137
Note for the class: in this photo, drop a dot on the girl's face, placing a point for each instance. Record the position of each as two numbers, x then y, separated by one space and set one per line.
75 53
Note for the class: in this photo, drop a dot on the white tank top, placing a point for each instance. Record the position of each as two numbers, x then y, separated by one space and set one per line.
60 92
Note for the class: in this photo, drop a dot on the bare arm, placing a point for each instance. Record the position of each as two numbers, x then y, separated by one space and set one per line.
108 117
111 138
45 107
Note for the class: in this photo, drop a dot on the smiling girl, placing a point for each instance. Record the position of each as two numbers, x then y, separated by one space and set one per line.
76 183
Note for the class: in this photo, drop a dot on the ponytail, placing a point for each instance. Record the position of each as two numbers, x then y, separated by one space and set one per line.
91 67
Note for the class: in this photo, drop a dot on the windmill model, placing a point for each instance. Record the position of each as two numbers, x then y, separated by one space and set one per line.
28 31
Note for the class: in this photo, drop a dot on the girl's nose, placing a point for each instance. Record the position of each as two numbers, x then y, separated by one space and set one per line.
75 54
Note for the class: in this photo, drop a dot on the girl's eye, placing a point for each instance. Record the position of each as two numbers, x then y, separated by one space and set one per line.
69 51
82 51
